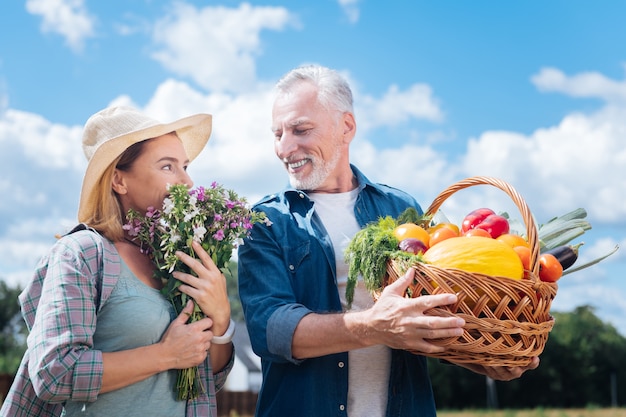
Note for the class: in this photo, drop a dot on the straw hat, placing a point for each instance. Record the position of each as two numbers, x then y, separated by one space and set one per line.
111 131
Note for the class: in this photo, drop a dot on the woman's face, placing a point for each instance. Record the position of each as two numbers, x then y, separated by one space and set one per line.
162 162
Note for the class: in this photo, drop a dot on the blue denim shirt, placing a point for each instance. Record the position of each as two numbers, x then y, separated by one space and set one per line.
286 271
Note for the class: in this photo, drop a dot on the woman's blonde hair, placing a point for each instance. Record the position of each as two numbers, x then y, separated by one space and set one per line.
107 216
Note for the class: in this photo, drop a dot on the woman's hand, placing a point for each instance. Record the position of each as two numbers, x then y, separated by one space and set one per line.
208 288
187 344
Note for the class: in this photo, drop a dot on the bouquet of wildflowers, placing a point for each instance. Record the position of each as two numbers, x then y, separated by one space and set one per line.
215 217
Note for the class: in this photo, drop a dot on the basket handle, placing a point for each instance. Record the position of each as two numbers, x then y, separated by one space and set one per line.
529 221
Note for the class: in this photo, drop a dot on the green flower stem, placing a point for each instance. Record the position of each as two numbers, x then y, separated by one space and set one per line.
188 384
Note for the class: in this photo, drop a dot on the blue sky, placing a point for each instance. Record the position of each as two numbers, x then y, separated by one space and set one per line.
530 92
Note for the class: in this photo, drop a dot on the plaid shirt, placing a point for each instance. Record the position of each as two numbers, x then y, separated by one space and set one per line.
70 285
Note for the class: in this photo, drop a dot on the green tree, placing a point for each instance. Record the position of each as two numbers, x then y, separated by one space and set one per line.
455 387
581 357
13 330
582 365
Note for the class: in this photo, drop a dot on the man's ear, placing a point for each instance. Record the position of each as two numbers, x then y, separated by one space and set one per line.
117 182
349 127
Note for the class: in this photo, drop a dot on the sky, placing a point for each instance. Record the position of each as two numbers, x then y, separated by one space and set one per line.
532 93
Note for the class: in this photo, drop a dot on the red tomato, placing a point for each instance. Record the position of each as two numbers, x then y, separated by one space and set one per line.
438 226
550 269
441 234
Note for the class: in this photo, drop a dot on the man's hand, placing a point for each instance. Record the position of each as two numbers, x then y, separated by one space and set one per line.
502 373
401 322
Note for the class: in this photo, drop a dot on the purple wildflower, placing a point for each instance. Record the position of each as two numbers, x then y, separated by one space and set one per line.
197 193
219 235
151 212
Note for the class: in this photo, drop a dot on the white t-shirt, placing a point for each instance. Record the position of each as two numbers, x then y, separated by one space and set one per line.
368 367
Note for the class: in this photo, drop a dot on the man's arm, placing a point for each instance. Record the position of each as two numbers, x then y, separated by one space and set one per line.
394 320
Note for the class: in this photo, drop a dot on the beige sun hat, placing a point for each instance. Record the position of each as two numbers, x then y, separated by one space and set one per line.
108 133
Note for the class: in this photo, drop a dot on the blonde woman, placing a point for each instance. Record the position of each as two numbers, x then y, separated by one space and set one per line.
103 340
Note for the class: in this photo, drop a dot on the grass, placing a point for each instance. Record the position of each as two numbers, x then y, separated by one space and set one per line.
539 412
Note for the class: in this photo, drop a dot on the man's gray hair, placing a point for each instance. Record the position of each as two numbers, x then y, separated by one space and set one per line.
333 90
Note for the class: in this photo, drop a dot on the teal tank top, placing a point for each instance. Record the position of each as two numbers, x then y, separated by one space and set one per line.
135 315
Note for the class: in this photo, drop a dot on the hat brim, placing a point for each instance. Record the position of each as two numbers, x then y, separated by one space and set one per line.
193 131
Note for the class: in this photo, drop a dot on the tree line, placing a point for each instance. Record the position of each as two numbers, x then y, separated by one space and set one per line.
582 365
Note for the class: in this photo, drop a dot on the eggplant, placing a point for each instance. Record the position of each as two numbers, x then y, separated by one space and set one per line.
566 254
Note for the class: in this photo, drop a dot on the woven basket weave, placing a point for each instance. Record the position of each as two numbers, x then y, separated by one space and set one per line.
506 321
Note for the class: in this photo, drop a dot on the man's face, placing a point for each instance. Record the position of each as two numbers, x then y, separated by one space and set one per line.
308 139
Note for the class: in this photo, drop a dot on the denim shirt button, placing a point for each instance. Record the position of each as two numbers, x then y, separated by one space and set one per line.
342 407
301 195
341 364
291 267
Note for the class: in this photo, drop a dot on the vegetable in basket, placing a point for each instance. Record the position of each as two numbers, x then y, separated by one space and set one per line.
565 254
477 254
390 238
485 219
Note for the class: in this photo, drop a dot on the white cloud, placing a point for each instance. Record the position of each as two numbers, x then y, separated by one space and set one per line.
351 9
419 170
24 243
561 167
42 166
68 18
21 195
587 84
46 144
608 301
216 46
396 106
602 247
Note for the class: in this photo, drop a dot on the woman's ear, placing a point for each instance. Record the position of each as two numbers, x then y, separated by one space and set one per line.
117 182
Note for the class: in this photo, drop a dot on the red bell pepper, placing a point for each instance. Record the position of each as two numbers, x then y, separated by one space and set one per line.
486 219
475 217
495 225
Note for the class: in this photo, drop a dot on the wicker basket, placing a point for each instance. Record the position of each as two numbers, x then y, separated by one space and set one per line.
506 321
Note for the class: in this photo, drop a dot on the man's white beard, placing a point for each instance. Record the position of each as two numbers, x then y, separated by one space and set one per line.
321 170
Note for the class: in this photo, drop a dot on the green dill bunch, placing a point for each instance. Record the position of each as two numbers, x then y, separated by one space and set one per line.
367 255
